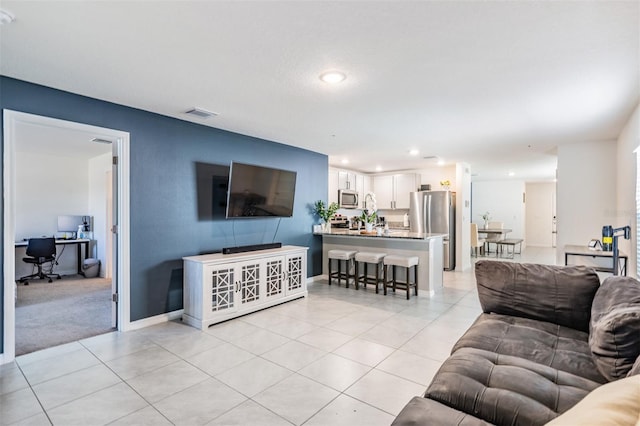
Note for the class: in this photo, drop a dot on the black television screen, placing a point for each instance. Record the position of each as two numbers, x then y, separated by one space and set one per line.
256 191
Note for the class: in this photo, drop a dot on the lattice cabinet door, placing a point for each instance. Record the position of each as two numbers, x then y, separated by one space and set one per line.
223 288
296 267
274 278
248 283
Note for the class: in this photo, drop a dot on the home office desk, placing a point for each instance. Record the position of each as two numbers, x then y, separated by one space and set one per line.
79 242
570 250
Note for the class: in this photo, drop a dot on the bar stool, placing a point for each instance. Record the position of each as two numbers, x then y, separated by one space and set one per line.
369 258
403 262
346 256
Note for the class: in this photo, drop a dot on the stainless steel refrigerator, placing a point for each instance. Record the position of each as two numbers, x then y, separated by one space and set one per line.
435 212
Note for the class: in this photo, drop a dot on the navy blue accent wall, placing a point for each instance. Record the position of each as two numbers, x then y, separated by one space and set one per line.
165 225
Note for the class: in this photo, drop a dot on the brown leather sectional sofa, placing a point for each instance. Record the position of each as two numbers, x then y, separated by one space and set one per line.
548 337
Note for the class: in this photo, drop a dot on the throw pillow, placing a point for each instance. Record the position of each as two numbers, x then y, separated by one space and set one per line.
614 337
616 403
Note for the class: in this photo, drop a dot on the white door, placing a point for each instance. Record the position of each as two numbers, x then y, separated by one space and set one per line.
13 120
539 214
110 247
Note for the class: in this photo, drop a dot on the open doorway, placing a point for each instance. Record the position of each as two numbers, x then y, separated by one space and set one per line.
52 168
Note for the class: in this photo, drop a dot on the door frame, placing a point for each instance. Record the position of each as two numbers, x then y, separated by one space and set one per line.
121 263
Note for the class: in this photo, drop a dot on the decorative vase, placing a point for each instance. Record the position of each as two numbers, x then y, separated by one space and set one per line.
486 224
368 227
326 226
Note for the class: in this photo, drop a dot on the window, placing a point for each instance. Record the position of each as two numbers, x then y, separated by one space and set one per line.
637 151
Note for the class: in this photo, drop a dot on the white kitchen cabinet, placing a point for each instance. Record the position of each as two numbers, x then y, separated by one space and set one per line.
383 188
333 185
219 287
392 191
405 184
346 179
363 186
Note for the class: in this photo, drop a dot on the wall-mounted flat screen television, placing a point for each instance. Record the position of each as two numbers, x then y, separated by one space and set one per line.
256 191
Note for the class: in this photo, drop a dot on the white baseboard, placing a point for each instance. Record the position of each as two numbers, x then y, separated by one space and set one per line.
316 278
157 319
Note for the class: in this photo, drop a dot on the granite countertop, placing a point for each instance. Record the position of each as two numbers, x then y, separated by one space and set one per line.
393 233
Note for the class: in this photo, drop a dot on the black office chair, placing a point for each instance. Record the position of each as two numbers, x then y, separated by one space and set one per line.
40 251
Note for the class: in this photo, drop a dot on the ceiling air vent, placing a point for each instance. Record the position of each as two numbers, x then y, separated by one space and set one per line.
99 140
430 157
202 113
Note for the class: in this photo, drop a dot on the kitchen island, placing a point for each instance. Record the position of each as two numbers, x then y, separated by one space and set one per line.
428 248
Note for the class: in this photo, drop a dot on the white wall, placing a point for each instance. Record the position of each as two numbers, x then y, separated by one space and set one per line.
504 201
626 175
586 197
463 216
539 212
47 187
436 174
99 168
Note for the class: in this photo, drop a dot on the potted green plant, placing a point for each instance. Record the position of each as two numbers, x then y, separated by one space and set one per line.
326 213
369 213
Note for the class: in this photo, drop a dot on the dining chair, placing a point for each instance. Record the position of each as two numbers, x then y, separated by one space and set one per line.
476 241
494 237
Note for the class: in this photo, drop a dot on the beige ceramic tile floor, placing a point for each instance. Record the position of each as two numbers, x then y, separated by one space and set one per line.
337 357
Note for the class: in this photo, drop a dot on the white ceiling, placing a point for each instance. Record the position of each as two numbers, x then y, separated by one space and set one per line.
496 84
58 142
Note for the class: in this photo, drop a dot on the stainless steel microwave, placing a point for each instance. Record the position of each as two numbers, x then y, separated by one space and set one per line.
348 198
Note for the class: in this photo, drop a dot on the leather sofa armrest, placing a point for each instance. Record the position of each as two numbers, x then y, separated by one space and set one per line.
558 294
423 411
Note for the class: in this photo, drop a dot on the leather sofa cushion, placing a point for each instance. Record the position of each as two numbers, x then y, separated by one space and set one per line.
542 342
422 411
558 294
614 336
506 390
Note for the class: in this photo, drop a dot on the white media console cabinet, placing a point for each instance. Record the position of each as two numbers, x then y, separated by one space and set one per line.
218 287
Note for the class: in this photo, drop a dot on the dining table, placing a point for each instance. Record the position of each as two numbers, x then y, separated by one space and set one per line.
493 232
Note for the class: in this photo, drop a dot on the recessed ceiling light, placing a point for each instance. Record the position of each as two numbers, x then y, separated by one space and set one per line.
414 152
333 77
512 174
378 168
440 162
345 161
6 17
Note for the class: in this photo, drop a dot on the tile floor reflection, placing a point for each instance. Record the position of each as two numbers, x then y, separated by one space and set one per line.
337 357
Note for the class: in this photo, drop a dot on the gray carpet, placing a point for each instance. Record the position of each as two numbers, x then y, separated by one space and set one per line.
50 314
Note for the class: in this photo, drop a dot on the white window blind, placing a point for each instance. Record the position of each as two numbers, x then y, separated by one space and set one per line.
638 212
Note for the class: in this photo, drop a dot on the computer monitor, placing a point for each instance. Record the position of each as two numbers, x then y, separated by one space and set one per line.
68 223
